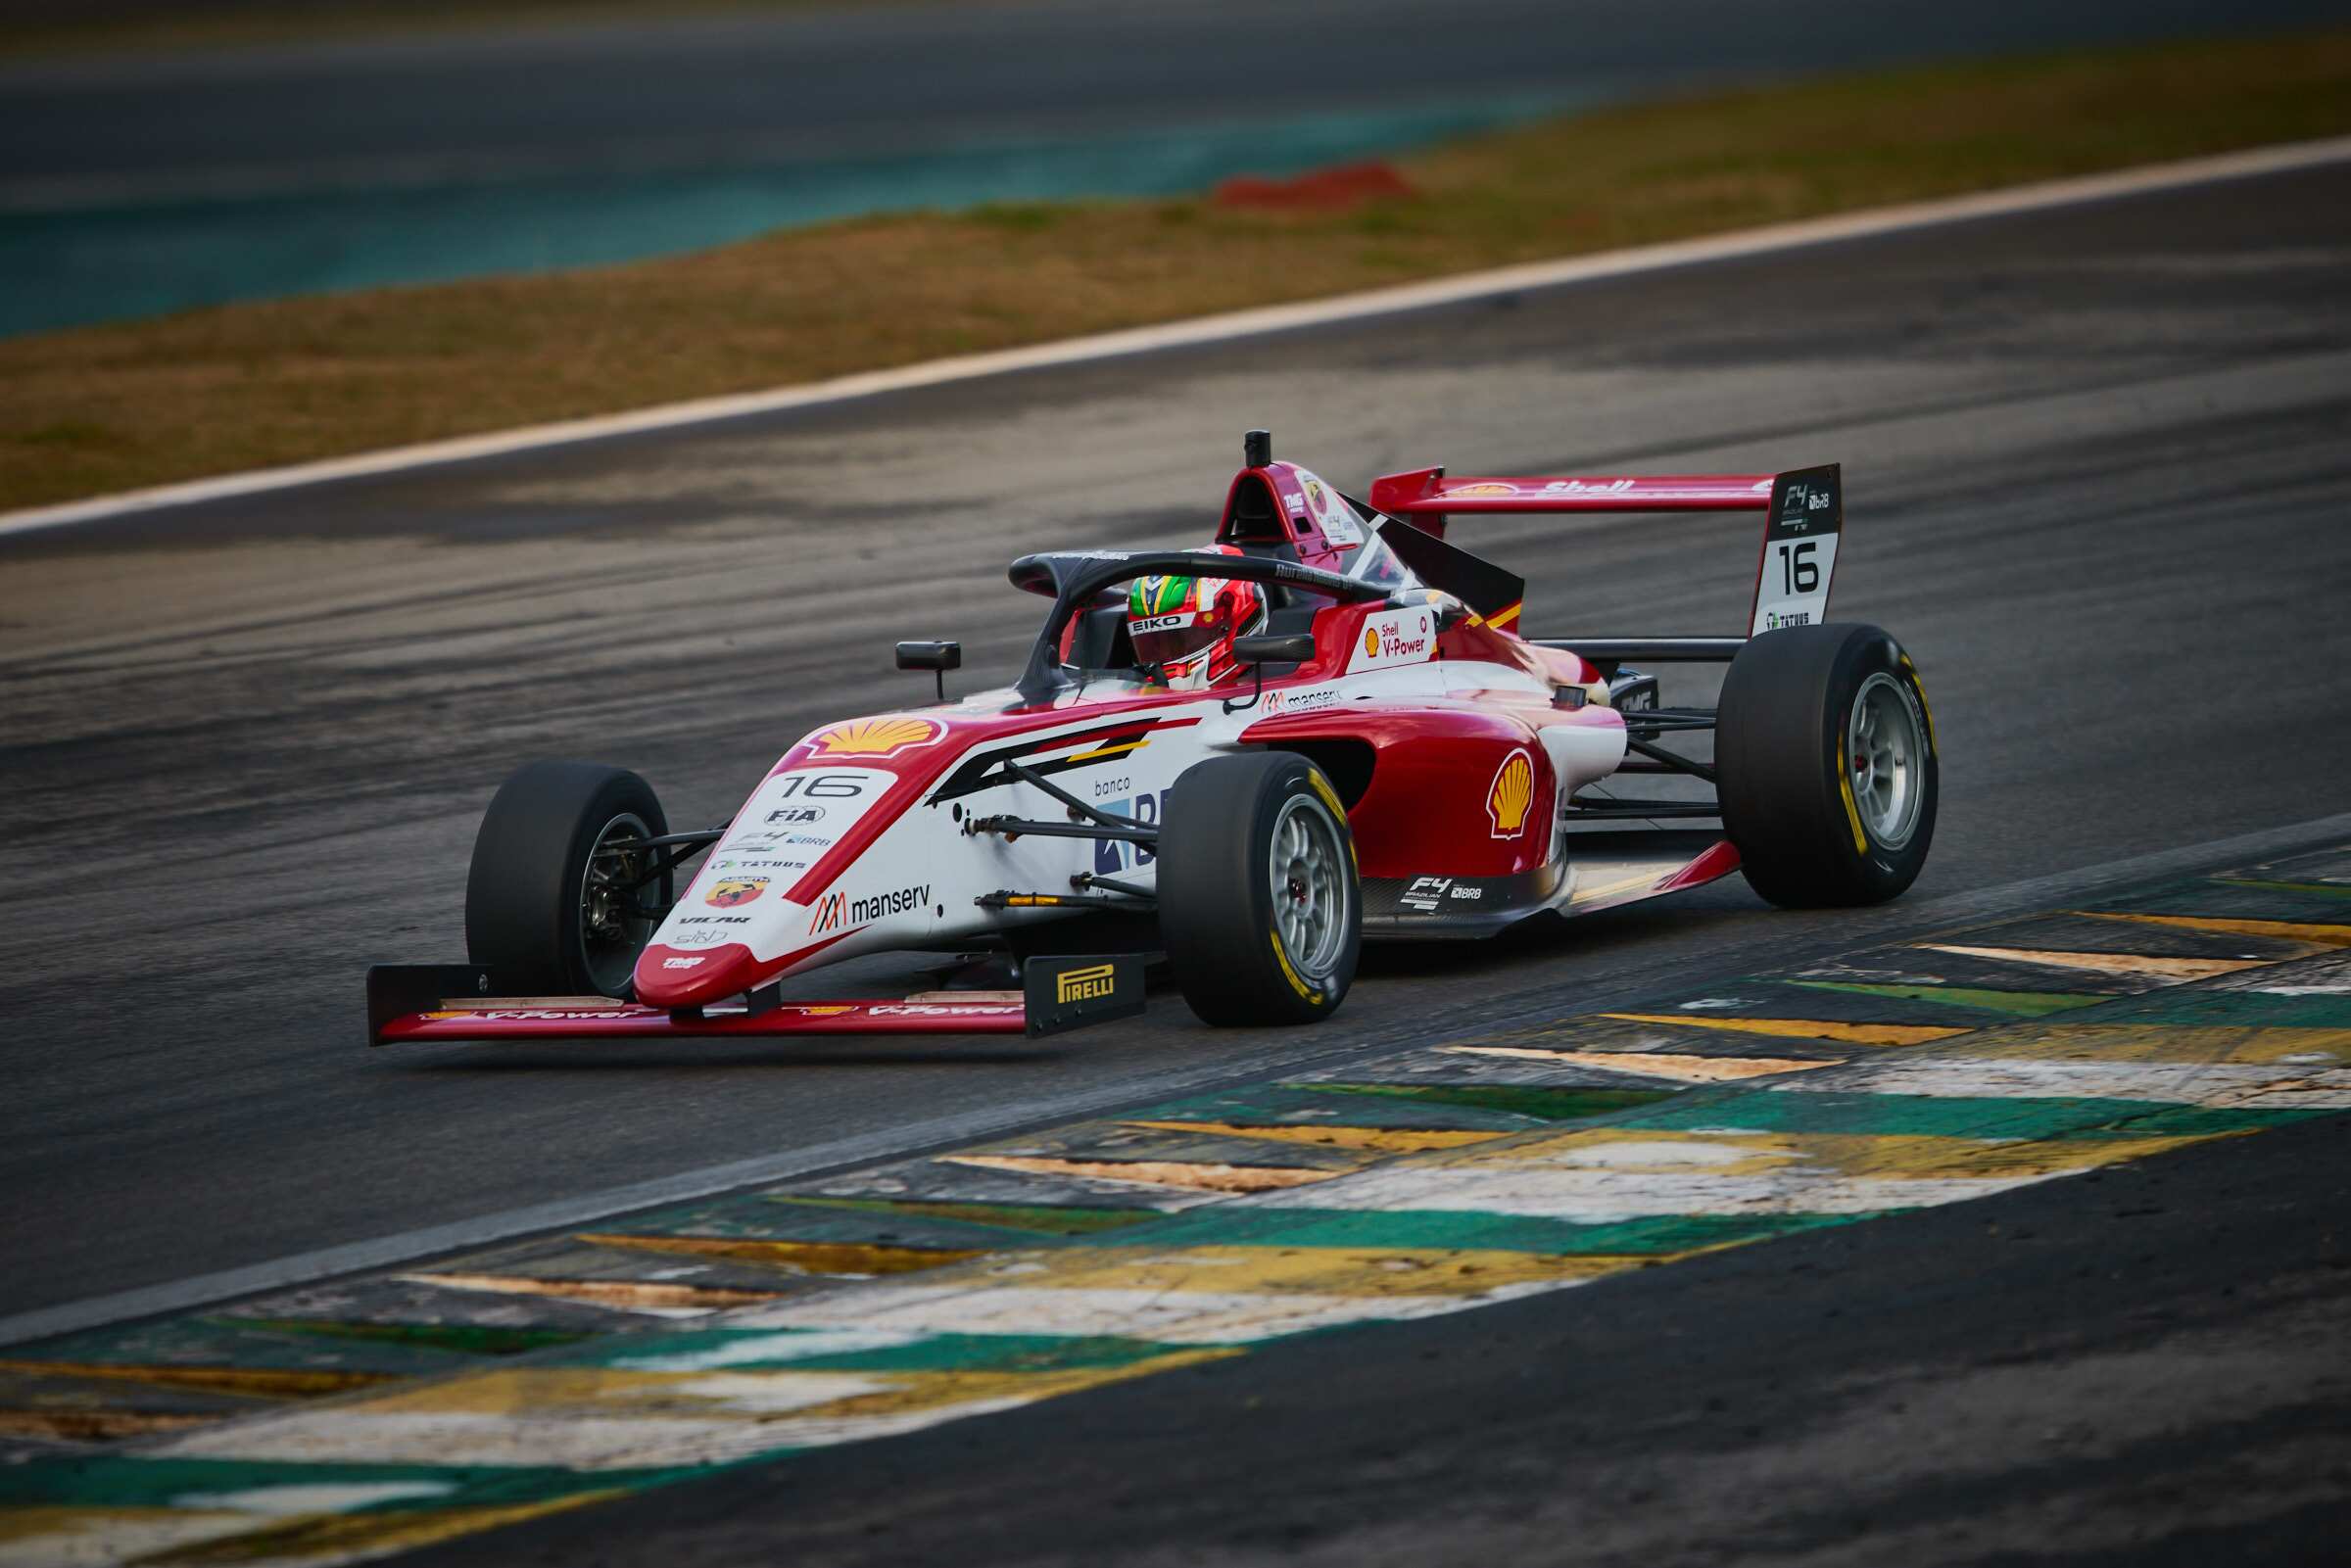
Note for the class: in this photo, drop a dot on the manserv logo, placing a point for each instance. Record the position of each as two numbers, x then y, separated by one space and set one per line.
836 910
1279 701
897 901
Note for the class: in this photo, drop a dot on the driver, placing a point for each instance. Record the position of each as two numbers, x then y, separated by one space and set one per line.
1183 627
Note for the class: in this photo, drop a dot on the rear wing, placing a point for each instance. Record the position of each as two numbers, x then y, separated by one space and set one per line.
1803 513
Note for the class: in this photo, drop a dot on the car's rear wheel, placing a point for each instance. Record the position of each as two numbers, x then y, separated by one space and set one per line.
1827 769
1260 906
561 896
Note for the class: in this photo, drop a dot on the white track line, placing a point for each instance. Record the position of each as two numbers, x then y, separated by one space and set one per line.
1208 329
351 1257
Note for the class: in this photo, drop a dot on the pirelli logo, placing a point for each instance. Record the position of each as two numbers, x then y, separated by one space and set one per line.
1078 989
1084 985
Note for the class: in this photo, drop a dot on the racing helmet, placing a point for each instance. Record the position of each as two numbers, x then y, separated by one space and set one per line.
1185 626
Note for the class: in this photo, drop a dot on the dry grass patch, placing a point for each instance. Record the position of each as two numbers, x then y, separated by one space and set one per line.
105 409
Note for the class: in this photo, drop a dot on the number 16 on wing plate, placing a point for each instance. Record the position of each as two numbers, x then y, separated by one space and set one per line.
1800 549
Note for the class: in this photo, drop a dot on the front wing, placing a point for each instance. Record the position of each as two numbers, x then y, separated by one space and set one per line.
428 1003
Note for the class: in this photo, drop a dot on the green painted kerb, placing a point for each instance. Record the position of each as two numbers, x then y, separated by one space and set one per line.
2016 1004
1543 1104
1954 1117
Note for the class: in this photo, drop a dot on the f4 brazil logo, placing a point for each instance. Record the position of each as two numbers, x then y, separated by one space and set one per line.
1085 985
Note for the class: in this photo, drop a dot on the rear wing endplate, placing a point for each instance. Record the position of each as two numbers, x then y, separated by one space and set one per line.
1804 517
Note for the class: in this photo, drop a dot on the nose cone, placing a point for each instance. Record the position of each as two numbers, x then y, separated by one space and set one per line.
674 976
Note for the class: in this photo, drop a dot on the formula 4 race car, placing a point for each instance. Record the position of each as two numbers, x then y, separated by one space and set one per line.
1241 761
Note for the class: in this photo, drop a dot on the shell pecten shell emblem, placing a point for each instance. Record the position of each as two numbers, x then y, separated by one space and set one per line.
1371 641
1510 795
876 738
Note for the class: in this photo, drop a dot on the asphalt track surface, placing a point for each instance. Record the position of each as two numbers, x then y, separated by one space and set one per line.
800 84
2141 1367
2096 470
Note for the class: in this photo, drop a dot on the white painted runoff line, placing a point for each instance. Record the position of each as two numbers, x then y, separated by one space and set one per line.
1207 329
943 1131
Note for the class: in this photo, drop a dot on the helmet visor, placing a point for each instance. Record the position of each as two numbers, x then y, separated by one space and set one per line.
1174 639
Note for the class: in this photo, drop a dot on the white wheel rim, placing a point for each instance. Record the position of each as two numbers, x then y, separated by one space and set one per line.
1306 867
1885 760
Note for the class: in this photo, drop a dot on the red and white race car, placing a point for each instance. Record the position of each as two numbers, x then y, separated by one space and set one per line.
1381 754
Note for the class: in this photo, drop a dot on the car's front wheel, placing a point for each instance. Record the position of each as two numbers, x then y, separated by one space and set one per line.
1260 906
562 896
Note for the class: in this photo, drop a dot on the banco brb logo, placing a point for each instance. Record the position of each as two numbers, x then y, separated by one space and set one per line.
1082 985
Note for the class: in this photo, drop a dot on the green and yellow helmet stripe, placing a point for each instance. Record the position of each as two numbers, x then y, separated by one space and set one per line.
1158 596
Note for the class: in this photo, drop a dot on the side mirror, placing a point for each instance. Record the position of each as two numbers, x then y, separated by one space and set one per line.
1274 647
940 656
937 658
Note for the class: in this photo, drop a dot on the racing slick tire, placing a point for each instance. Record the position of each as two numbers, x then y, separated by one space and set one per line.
1260 907
1826 766
545 912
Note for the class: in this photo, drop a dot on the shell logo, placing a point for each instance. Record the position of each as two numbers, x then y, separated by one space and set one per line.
738 891
1474 491
1510 795
875 737
1371 641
